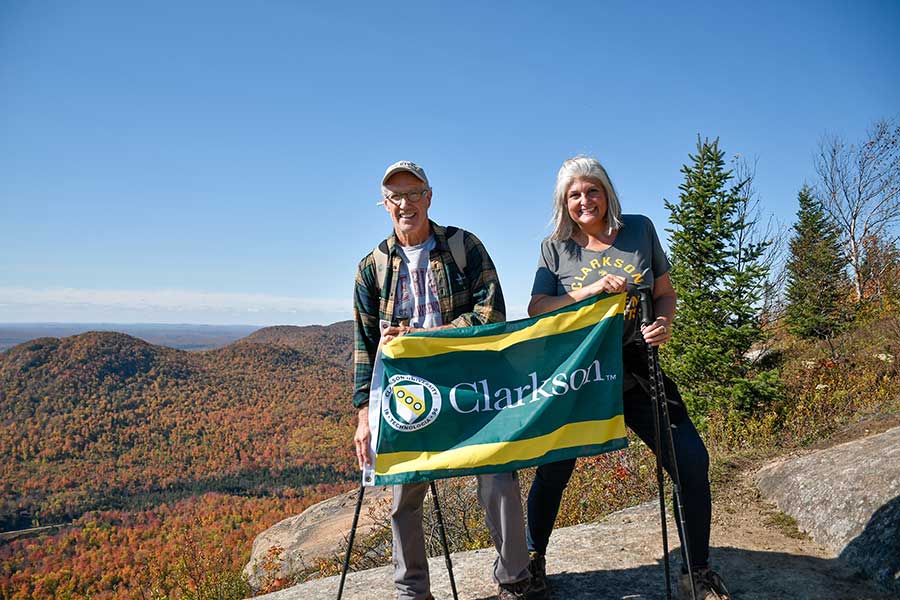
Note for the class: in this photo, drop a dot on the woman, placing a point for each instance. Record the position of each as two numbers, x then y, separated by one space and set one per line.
594 248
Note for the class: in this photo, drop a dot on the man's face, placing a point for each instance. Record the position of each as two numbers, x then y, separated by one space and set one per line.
410 218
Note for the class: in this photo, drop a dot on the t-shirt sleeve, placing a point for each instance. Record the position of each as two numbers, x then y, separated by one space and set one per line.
660 261
546 280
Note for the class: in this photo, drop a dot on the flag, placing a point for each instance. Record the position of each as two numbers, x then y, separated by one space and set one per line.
499 397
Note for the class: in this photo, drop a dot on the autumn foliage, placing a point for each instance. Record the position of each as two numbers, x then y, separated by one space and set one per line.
146 451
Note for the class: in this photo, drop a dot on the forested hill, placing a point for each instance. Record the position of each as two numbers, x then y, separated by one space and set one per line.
328 342
107 421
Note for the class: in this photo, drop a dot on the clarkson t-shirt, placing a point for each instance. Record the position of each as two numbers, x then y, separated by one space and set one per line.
635 254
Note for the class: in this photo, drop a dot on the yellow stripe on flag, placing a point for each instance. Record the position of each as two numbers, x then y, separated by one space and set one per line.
499 453
564 322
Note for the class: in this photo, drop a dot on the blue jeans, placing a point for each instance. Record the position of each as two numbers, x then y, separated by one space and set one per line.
693 468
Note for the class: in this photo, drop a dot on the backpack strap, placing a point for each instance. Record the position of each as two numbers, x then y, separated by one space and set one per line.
380 255
456 241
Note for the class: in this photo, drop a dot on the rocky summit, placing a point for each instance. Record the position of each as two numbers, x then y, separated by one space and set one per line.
621 557
847 498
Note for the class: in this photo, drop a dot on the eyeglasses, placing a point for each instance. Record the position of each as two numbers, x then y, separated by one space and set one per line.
413 197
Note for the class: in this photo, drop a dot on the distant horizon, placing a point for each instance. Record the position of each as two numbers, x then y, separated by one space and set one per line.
181 336
136 324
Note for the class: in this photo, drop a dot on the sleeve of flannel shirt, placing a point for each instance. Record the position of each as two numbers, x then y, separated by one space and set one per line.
365 329
484 284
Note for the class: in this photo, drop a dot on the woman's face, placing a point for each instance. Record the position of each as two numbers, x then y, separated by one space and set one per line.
586 201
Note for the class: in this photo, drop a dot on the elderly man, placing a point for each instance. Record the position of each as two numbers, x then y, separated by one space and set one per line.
424 276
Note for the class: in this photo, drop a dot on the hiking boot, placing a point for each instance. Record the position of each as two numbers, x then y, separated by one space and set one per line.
540 586
520 590
707 583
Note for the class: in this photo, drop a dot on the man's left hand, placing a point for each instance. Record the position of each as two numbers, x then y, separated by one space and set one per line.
397 330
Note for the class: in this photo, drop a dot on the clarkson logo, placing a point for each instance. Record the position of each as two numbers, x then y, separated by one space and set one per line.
410 403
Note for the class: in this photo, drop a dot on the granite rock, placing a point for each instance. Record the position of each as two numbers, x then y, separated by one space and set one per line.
621 558
847 498
296 542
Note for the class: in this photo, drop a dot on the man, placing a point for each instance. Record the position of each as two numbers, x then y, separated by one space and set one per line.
424 276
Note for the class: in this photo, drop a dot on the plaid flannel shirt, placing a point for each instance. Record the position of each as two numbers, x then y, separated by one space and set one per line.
473 297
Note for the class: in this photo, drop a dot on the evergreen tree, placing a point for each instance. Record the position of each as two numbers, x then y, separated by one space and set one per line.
718 274
817 280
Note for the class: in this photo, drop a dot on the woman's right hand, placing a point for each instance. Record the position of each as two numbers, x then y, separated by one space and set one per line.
609 284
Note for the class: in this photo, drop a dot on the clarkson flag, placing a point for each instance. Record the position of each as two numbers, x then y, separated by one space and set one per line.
499 397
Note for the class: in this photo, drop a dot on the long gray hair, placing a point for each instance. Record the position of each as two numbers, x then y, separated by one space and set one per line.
590 168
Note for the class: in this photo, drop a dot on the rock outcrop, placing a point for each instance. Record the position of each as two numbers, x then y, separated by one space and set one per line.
848 499
845 496
620 557
295 543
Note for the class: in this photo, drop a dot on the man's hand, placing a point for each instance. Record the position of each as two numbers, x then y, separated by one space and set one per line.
362 438
396 331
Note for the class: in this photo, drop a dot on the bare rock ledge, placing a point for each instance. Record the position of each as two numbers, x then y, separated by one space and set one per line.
847 498
620 558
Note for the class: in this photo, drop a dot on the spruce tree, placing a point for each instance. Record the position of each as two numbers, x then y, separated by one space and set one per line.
719 276
817 280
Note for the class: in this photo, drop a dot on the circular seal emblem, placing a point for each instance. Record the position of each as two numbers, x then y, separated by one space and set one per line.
410 403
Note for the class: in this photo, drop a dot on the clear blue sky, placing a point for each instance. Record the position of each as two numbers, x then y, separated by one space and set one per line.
219 162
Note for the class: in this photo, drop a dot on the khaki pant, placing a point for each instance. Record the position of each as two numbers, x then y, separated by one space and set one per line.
498 494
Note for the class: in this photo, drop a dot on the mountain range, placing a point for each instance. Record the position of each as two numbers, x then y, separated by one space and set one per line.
180 336
107 421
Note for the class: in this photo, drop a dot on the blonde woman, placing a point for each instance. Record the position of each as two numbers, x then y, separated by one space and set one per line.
594 248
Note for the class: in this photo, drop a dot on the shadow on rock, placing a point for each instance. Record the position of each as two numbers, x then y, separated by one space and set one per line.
876 550
750 575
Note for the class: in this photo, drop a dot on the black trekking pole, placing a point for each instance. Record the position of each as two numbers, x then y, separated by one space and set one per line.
440 520
359 500
662 423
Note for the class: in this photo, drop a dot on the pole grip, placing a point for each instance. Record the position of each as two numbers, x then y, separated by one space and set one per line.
648 315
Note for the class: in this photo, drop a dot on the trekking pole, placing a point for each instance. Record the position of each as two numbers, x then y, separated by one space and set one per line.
646 319
362 491
440 520
662 423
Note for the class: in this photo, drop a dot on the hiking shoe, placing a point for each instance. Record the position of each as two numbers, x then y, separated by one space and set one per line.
520 590
707 583
540 586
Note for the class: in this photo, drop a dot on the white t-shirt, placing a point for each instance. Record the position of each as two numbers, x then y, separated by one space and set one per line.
416 299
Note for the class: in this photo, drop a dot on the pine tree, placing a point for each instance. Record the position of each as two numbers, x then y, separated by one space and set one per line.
718 274
817 281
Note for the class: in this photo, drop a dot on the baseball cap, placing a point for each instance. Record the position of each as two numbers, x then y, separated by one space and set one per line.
409 167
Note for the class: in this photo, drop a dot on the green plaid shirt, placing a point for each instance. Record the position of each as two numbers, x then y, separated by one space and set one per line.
470 298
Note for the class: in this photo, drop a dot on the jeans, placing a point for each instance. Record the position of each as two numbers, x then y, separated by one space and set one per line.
693 468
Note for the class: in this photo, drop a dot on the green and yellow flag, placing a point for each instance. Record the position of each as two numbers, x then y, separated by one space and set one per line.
499 397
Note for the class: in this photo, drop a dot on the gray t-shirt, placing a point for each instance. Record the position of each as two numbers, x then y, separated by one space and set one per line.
417 298
635 254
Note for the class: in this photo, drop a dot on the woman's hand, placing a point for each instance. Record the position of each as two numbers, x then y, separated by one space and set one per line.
609 284
658 332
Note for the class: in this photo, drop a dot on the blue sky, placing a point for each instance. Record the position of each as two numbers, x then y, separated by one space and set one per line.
219 162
